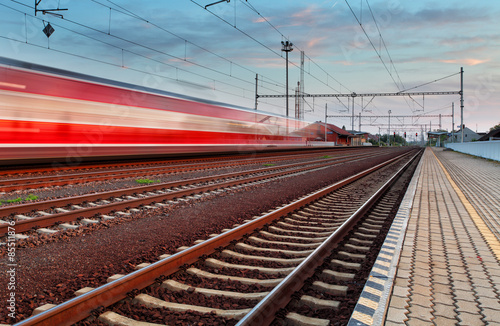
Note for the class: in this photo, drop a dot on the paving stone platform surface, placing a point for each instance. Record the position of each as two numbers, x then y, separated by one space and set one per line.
449 270
443 250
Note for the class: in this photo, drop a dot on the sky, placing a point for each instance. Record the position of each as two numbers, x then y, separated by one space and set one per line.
215 53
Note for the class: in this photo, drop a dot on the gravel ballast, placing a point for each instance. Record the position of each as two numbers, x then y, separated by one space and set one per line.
51 271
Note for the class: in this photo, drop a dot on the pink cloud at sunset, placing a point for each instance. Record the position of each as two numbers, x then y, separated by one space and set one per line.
467 62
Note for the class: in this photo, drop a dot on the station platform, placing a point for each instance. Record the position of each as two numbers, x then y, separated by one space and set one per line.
440 263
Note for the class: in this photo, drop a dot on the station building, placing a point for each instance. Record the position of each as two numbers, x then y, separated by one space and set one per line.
316 132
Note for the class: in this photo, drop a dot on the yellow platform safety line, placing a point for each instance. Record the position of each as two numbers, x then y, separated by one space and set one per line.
485 231
361 317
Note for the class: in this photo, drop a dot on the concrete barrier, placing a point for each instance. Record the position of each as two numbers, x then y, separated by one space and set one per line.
485 149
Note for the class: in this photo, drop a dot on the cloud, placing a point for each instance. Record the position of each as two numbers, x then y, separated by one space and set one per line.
315 41
459 41
260 20
467 62
305 14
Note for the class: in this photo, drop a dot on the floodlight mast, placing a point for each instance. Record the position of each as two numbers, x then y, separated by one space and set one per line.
286 47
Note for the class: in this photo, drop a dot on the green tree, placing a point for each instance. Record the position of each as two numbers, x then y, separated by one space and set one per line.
495 127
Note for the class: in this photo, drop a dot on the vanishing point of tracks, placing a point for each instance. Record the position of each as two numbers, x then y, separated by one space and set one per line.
302 263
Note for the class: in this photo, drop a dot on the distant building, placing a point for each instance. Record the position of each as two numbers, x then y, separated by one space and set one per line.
469 136
334 134
359 138
481 134
492 135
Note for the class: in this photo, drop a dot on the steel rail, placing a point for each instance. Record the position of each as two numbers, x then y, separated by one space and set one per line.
82 306
49 220
64 179
61 167
22 208
264 312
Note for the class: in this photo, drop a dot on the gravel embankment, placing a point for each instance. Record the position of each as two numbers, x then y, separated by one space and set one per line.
52 270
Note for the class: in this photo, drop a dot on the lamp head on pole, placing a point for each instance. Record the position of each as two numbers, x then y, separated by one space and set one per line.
286 46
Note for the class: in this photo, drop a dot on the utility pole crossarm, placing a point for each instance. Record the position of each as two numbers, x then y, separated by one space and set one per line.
48 11
211 4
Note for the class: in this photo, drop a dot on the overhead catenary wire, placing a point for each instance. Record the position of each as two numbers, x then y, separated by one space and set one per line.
124 50
388 54
117 65
248 4
399 85
373 45
383 42
121 49
132 14
186 41
425 84
261 43
245 90
129 13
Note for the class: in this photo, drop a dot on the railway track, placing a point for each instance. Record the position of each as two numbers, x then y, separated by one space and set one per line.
319 245
28 179
58 167
95 207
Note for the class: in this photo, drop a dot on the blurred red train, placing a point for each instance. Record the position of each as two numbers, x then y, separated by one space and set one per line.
51 114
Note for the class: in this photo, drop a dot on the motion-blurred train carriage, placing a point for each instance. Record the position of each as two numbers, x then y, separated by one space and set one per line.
48 114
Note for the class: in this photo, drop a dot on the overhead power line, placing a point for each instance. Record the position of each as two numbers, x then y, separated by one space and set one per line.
267 47
122 49
378 53
385 46
424 84
186 41
373 45
298 48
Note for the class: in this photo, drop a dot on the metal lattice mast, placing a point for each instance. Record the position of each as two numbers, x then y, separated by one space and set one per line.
301 87
462 102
